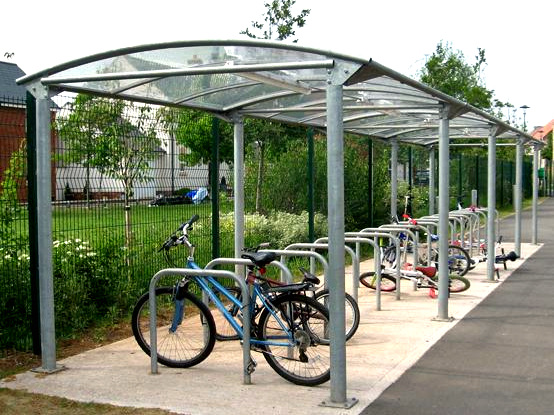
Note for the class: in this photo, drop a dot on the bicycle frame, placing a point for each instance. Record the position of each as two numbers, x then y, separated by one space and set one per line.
204 284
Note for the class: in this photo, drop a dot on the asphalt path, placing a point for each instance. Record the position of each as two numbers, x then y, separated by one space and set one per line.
500 358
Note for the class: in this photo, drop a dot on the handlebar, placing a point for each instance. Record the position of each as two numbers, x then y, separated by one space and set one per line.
178 240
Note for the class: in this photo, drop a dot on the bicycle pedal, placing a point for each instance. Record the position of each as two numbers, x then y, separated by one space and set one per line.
251 367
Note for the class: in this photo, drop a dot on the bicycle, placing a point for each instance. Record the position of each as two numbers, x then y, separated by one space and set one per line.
459 261
256 272
424 277
289 329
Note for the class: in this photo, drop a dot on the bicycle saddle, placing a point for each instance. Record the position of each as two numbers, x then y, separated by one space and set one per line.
427 271
260 259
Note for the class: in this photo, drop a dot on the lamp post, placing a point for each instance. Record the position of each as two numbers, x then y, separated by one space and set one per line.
524 108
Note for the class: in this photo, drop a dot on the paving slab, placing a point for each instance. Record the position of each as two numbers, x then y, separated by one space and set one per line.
388 342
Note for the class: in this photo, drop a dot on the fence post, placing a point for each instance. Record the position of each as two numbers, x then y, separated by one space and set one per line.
33 221
370 181
311 178
215 187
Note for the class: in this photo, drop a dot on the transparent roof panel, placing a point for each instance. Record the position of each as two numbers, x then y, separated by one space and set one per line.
280 81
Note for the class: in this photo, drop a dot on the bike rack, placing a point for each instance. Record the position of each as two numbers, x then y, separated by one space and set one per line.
377 258
356 271
409 227
401 228
474 228
426 225
318 244
201 273
435 218
290 253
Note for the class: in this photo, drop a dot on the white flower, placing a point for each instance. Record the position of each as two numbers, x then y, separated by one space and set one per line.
77 240
7 256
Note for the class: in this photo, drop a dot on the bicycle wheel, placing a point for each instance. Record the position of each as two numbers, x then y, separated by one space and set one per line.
457 283
224 330
351 311
388 256
193 339
458 260
306 360
369 279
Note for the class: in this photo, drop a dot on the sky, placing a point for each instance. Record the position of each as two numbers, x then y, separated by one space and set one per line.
517 36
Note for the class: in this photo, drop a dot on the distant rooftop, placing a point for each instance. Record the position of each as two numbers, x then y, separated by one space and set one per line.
9 90
540 133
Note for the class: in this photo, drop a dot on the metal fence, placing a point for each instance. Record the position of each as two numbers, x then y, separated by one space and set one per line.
122 181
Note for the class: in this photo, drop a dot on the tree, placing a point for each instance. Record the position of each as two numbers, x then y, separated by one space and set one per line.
115 137
447 71
86 138
279 24
278 21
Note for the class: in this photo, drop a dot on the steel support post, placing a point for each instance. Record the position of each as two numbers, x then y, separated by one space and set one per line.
518 196
44 228
536 153
238 188
335 214
491 204
432 168
444 209
394 178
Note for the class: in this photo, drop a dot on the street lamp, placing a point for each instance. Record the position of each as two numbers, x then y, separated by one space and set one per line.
524 108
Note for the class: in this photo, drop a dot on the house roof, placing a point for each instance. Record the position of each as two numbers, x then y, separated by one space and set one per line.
9 90
540 133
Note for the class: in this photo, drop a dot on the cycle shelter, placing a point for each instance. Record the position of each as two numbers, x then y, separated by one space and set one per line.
233 79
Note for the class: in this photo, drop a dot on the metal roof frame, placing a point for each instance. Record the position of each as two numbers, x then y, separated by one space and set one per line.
274 80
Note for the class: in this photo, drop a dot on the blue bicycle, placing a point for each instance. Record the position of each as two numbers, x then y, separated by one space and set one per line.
288 328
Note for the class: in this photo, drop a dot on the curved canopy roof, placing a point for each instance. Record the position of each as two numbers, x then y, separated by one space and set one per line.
276 81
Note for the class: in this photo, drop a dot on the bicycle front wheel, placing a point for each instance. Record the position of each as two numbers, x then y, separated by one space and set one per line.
458 284
369 279
224 329
302 322
181 342
351 311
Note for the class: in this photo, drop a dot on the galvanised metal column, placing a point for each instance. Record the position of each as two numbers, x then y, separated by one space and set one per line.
44 229
335 214
238 188
444 208
394 178
491 204
536 157
518 196
432 168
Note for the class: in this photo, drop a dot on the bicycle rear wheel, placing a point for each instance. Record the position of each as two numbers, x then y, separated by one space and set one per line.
351 311
458 260
193 339
369 279
306 360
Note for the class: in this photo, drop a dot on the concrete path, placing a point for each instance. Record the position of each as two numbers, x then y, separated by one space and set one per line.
386 345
